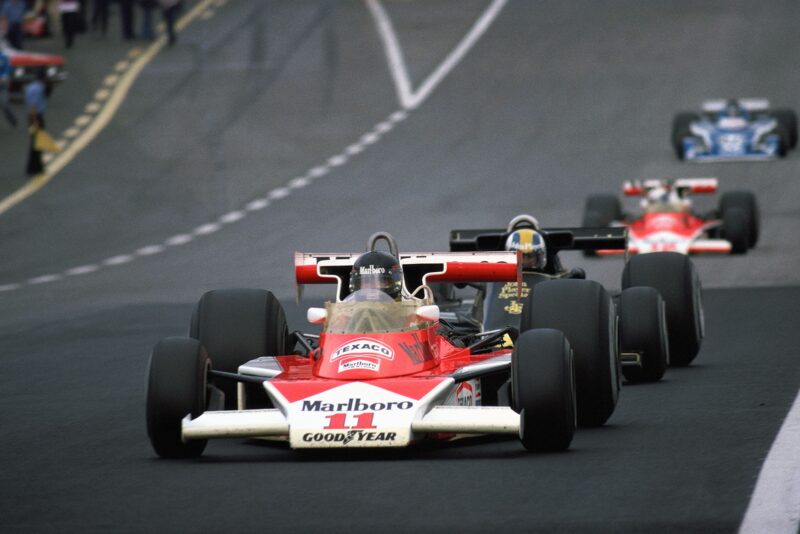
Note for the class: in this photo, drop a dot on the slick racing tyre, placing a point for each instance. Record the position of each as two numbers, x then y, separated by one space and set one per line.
643 330
606 209
681 128
237 325
735 228
543 390
787 118
600 211
745 201
584 312
673 275
176 386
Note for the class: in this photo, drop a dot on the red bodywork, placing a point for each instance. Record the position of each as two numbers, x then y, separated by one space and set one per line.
20 58
24 63
667 228
419 361
409 362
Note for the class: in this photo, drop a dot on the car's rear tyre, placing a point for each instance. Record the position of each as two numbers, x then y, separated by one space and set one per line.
606 209
543 389
584 312
600 211
176 386
735 229
745 201
676 279
643 330
681 128
237 325
787 118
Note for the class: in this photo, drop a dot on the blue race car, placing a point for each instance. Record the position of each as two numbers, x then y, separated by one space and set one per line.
737 129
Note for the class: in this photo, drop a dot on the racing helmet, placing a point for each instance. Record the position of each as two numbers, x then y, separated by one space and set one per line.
733 110
659 195
531 244
377 270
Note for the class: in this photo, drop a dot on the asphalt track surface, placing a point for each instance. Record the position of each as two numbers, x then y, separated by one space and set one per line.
558 99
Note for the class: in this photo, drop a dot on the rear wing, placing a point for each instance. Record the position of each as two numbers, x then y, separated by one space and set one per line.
418 268
683 185
750 104
610 238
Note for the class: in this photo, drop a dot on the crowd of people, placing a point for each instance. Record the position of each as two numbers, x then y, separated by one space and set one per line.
20 19
23 19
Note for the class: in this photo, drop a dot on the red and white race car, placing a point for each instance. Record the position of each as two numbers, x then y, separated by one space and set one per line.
382 372
24 65
668 222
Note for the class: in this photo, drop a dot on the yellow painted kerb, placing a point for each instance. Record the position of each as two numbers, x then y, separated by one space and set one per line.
102 119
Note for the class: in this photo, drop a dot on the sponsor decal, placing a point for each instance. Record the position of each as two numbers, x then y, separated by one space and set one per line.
416 350
371 270
363 347
343 438
359 364
354 405
464 394
509 290
663 222
514 307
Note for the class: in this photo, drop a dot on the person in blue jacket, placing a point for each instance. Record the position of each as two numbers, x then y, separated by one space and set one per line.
5 88
12 15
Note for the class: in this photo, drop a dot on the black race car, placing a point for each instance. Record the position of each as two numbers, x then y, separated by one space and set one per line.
658 314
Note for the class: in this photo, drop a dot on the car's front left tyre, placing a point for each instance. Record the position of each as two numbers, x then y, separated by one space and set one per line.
543 390
746 202
177 385
681 129
735 225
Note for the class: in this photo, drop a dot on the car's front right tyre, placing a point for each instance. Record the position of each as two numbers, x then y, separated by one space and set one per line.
177 385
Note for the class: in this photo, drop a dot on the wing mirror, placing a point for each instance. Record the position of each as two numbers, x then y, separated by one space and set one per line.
317 315
428 313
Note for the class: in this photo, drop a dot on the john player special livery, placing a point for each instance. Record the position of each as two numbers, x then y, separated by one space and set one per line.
385 371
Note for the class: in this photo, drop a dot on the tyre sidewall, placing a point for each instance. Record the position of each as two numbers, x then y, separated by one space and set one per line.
543 389
584 312
176 387
673 275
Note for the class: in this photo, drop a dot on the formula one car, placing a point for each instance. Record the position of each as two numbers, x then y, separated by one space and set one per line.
659 311
668 223
729 130
24 65
384 372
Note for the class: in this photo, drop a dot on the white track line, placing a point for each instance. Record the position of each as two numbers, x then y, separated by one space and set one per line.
775 504
409 98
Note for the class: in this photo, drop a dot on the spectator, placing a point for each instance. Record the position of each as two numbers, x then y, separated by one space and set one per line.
12 14
36 103
169 10
70 19
126 17
100 15
5 84
147 18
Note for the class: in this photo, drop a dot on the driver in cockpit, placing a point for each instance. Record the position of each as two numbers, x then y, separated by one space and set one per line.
378 271
664 198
